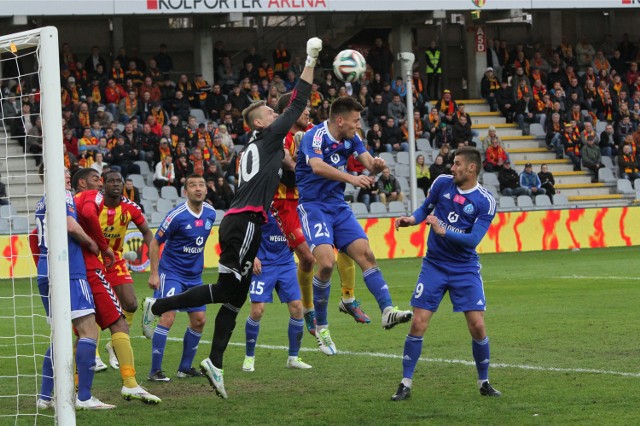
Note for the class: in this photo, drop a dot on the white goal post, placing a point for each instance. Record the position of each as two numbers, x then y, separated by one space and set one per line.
43 44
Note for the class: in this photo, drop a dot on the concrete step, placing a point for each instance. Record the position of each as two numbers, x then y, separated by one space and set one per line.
26 206
20 177
10 150
511 145
22 189
555 166
502 129
476 120
587 189
572 178
18 163
599 198
472 105
530 154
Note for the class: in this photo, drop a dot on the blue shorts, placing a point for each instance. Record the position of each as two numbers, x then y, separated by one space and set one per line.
333 224
170 285
463 283
282 278
81 297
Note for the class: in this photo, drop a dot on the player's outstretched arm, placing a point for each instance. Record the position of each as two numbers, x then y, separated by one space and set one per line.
319 167
314 46
374 164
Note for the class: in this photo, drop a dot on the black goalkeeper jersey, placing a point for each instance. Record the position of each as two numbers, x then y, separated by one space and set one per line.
261 160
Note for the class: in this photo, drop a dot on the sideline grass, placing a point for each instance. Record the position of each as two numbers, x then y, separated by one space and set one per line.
562 313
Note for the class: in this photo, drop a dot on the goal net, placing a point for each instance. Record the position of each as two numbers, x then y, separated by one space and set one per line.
31 133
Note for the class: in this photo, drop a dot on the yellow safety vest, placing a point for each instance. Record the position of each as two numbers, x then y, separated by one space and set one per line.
434 57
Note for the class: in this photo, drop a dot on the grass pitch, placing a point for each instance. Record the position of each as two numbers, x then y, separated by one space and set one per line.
564 349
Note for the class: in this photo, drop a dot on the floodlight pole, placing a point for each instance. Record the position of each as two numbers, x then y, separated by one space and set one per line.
407 59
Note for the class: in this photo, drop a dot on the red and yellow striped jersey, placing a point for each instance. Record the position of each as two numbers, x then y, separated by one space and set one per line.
115 221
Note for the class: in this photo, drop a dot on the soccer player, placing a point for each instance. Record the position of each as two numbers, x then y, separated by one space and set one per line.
240 236
82 306
184 234
327 220
115 216
285 203
89 202
459 211
274 269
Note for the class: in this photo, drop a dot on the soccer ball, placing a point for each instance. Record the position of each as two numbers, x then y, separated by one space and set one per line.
349 65
130 256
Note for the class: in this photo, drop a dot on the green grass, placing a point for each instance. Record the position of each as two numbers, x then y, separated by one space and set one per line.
564 340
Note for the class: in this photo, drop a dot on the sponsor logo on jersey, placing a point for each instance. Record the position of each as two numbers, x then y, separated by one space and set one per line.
199 223
468 209
188 226
459 199
452 217
447 196
199 240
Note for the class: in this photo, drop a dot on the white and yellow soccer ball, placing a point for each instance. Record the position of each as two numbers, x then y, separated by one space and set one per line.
349 65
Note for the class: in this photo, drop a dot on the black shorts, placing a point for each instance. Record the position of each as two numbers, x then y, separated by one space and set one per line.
240 236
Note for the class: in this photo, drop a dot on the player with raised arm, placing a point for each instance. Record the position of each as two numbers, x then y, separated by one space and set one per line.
89 202
285 204
184 233
240 236
328 221
274 269
82 306
460 212
116 214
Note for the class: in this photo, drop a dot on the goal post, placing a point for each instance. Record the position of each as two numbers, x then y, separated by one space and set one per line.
45 77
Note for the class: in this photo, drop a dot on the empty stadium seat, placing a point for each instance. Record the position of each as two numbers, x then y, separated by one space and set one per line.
402 170
543 200
606 175
157 218
138 180
7 211
388 158
423 145
397 207
377 208
489 178
169 193
147 206
164 205
507 203
403 158
560 200
636 184
359 210
199 115
20 225
150 193
144 167
624 186
4 225
525 201
536 129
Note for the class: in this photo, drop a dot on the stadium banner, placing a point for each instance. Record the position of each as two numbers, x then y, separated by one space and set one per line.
509 232
154 7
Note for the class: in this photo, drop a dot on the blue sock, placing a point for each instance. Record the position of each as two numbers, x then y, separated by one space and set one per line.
321 290
158 343
295 332
47 376
189 348
481 356
85 361
378 287
251 330
410 356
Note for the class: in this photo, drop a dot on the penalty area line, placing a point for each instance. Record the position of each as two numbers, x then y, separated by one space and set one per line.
444 361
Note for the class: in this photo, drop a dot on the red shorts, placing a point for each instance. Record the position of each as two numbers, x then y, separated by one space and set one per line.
108 309
118 274
289 221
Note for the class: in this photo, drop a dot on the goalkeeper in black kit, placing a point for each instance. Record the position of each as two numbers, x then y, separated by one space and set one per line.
240 233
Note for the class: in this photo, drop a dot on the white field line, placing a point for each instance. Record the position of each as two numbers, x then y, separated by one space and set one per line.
584 277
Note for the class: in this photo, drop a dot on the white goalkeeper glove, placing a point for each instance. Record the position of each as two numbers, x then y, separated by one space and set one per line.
314 46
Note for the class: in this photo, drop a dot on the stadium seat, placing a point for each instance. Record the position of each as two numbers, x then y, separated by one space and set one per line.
636 184
157 218
624 186
349 189
147 205
404 185
423 145
164 205
150 193
359 210
560 200
607 162
537 130
403 158
238 148
180 200
120 127
20 225
525 201
397 208
388 157
506 202
144 167
377 208
606 175
601 126
489 178
7 211
434 155
169 193
149 179
4 226
138 180
543 200
219 216
199 115
402 170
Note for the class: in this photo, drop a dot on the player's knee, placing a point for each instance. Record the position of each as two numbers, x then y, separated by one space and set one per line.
197 323
130 305
295 309
476 329
257 310
306 261
119 326
166 319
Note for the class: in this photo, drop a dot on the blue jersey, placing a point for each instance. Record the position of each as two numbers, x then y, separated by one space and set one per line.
77 268
318 143
184 234
274 249
465 215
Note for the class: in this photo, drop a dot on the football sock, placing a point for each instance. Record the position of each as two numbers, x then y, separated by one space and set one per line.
305 279
192 298
225 323
481 355
321 291
251 330
128 317
124 352
158 344
347 271
410 356
85 361
189 348
295 331
47 376
378 287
